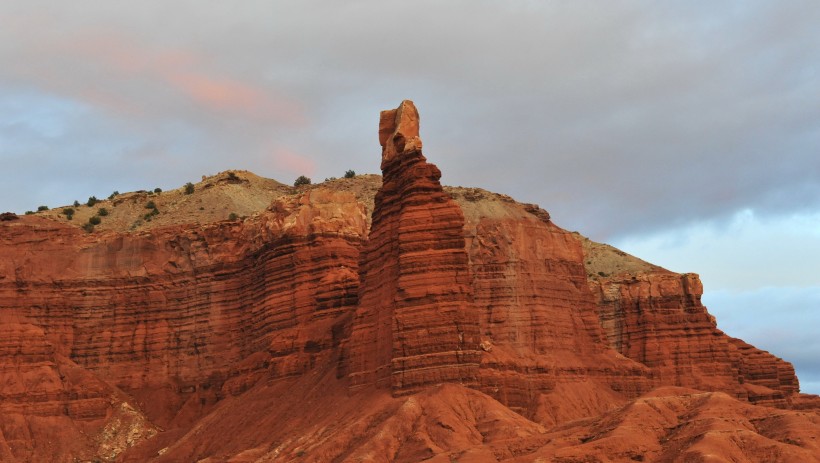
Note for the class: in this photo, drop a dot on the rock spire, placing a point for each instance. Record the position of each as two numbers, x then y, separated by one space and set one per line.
415 324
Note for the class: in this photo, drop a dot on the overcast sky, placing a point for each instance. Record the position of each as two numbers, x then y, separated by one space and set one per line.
684 132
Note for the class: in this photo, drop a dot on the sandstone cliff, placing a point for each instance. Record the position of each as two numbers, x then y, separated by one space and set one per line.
656 317
416 324
366 319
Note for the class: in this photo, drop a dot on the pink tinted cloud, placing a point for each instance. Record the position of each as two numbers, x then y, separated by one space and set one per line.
125 63
227 95
293 162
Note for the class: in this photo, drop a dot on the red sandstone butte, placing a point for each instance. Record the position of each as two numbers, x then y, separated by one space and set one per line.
367 320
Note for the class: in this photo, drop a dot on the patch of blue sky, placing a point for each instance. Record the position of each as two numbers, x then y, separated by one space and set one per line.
30 113
745 251
781 320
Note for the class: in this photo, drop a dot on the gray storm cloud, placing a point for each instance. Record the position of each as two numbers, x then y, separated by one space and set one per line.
618 117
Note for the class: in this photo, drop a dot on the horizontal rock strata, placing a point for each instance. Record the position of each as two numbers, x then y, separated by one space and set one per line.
657 319
339 301
415 324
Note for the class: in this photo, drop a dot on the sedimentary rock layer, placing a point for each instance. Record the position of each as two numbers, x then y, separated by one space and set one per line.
179 317
657 319
415 324
154 342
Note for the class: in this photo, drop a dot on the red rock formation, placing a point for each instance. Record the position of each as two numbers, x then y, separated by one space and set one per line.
154 343
545 354
676 424
657 319
449 422
182 317
415 324
53 410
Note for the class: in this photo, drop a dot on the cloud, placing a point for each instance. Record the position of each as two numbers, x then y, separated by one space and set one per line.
742 252
620 119
293 162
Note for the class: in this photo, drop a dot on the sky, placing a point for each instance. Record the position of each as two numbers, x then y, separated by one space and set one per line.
686 133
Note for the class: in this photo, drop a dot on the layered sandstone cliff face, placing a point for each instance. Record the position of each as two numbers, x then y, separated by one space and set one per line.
656 317
366 319
415 324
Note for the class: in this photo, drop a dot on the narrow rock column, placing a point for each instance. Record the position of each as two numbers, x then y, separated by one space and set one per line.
415 324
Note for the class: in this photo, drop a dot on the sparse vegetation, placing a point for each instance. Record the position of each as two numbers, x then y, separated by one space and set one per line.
232 216
102 212
189 188
76 203
232 176
113 195
42 208
29 212
350 173
69 212
301 180
88 227
92 201
95 220
147 217
158 190
150 205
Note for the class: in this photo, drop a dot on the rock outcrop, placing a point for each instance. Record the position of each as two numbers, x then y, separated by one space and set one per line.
657 319
415 324
379 319
183 317
54 410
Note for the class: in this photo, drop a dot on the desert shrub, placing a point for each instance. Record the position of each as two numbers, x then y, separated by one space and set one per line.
232 216
155 211
102 212
42 208
69 212
150 205
89 227
76 203
189 188
92 201
350 174
95 220
113 195
157 190
232 176
29 212
147 217
301 180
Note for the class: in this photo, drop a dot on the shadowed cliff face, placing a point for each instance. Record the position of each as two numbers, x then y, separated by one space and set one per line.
367 319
